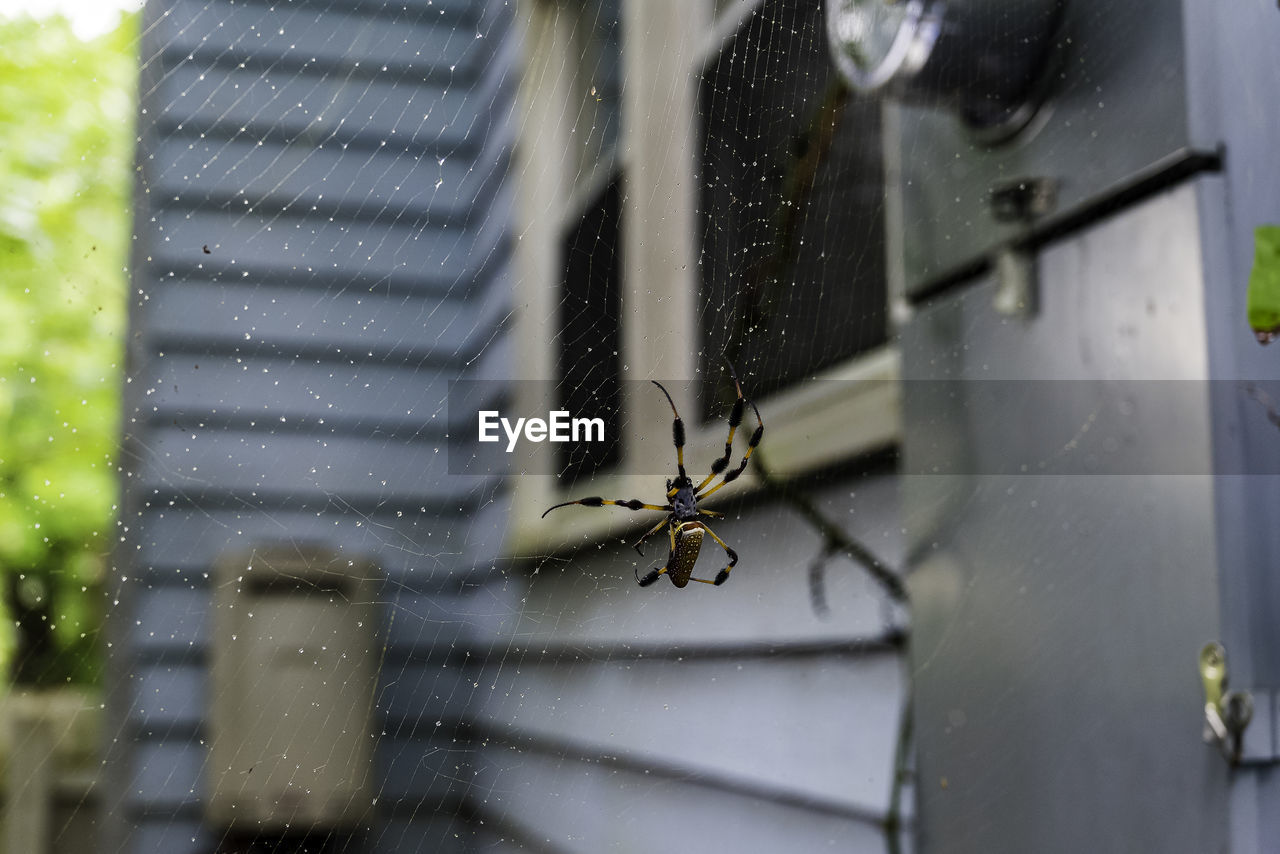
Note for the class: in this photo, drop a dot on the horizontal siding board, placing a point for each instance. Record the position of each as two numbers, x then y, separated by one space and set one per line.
415 549
496 362
370 397
355 507
425 831
297 467
173 836
301 35
167 775
590 807
169 620
821 728
172 609
169 695
479 535
412 698
323 397
181 543
425 624
321 106
172 624
491 840
589 599
455 10
424 773
476 603
462 617
396 185
347 259
255 320
392 175
416 698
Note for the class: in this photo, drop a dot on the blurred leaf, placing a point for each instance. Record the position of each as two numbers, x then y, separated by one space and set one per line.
66 143
1264 284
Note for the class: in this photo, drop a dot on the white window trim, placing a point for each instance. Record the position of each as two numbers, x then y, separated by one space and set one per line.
850 410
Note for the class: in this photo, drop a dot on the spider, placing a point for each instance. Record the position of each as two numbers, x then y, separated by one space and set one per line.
684 527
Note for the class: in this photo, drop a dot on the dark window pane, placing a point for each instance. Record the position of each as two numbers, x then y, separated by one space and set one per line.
589 364
792 251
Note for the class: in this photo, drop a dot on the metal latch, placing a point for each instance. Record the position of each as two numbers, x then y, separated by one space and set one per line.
1017 285
1226 714
1019 202
1023 200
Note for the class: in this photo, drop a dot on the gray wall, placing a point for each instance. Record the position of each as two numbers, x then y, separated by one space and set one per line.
1058 613
1060 618
321 244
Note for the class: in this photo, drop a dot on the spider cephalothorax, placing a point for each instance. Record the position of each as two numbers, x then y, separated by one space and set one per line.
683 524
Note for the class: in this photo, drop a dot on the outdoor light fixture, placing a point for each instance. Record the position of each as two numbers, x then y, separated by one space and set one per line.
984 59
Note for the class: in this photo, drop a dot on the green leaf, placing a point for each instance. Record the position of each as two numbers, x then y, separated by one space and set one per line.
1263 300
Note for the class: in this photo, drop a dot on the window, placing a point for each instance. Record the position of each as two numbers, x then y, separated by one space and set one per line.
675 214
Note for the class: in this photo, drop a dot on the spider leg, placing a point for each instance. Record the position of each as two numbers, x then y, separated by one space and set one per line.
733 474
639 544
654 574
677 435
649 577
723 575
735 418
597 501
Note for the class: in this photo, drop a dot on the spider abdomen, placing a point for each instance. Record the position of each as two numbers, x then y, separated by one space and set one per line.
688 542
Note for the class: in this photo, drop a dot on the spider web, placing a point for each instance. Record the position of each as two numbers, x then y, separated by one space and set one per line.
360 223
323 637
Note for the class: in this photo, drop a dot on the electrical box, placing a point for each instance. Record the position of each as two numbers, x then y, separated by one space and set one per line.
295 655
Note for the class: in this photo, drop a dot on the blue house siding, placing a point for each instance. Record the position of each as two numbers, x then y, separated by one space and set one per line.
734 718
321 246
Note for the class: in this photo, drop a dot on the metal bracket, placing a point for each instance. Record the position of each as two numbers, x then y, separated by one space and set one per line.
1017 286
1226 715
1019 202
1023 200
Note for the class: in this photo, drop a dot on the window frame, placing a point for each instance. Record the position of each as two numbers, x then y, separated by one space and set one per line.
846 411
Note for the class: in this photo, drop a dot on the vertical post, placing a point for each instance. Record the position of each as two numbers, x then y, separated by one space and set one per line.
28 779
542 182
662 40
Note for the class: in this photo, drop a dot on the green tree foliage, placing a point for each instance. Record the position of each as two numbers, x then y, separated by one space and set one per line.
66 138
